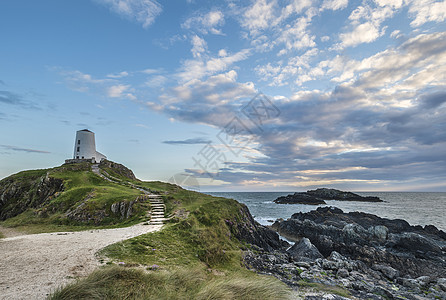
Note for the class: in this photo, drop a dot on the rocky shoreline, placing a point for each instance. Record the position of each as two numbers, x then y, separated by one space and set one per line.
317 197
356 253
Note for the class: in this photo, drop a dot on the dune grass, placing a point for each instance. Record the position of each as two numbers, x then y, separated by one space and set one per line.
117 282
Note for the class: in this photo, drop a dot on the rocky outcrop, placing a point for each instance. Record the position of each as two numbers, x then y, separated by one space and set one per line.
19 193
337 272
249 231
304 251
358 254
316 197
411 250
116 168
124 209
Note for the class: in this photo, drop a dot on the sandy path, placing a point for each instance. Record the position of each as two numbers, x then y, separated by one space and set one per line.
31 266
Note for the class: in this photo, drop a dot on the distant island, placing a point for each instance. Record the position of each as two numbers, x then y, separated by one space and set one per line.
316 197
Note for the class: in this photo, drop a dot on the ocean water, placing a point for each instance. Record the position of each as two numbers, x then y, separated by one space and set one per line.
415 207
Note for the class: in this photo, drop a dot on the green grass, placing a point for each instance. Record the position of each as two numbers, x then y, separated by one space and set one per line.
81 185
2 236
202 237
130 283
337 290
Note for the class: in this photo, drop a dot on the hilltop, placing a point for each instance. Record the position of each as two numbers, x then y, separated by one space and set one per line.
80 194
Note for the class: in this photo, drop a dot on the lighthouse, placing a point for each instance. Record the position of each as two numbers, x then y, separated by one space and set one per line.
85 147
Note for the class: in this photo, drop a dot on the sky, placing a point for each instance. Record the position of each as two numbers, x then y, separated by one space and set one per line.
261 95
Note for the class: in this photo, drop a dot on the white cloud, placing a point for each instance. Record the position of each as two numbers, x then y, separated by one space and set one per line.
117 91
334 4
427 11
141 11
296 37
393 3
363 33
395 34
156 81
366 24
212 101
199 46
222 53
206 23
260 16
118 75
205 66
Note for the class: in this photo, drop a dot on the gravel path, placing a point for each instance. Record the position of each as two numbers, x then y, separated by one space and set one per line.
31 266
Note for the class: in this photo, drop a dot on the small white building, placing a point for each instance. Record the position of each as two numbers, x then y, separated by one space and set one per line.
85 147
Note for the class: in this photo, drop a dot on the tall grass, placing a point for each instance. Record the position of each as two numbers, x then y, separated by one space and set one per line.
130 283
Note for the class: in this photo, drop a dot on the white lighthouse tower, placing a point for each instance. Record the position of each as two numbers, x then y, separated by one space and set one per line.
85 147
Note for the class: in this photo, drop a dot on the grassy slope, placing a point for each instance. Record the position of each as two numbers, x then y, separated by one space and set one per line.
79 184
194 257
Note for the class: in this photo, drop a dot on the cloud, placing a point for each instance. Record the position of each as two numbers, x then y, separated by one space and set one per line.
111 86
141 11
206 23
199 46
383 124
10 98
363 33
20 149
260 16
118 75
213 101
366 25
119 91
192 141
204 65
334 4
427 11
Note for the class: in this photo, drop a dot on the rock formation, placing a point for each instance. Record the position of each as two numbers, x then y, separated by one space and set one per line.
316 197
368 256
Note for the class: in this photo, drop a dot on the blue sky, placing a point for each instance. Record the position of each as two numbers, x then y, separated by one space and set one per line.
243 95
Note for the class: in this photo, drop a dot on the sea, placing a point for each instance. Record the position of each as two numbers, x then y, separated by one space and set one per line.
417 208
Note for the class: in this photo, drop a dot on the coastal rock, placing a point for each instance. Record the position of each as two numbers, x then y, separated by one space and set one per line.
304 251
409 250
441 282
342 273
389 272
299 198
253 233
316 197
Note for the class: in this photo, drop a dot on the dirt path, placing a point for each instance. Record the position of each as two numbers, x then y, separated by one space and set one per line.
31 266
10 232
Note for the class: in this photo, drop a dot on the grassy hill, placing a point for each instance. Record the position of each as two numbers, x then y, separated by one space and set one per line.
71 197
197 255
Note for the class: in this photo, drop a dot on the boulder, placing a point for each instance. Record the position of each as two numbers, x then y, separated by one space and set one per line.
304 251
387 271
